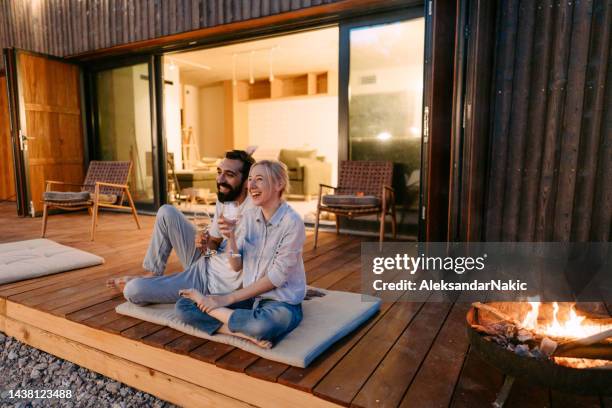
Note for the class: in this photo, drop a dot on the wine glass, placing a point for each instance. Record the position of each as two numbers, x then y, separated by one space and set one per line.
230 212
203 221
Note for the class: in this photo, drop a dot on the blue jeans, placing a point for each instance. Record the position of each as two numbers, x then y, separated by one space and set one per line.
171 231
165 289
263 319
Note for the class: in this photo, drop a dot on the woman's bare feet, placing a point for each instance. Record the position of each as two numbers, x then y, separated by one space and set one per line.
264 344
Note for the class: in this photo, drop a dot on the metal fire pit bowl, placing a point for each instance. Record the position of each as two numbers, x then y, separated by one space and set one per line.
585 381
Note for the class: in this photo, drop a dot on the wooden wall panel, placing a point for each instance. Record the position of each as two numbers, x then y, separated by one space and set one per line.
68 27
7 175
550 172
53 120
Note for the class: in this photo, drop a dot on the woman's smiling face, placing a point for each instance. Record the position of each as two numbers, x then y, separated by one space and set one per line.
261 186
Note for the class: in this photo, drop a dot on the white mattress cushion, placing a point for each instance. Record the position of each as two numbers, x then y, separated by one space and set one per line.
327 319
38 257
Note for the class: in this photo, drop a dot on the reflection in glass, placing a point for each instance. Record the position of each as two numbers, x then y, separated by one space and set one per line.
124 124
385 100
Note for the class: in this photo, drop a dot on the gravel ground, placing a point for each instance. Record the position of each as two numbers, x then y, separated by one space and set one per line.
25 368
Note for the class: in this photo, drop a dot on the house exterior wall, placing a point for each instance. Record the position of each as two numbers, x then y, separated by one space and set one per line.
68 27
550 161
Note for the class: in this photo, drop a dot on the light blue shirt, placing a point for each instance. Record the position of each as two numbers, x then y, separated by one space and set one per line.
274 248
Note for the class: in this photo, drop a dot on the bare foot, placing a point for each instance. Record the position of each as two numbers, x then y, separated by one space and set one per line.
192 294
120 282
264 344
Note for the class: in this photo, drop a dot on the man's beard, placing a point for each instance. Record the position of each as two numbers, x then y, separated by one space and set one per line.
231 195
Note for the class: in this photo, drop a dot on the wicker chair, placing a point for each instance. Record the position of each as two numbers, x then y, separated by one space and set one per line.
364 188
104 186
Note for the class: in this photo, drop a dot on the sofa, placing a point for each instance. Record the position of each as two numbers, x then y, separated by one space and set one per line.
306 171
197 179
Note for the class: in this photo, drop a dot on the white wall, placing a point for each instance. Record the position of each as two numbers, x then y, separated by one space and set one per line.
172 114
142 128
212 121
310 122
191 111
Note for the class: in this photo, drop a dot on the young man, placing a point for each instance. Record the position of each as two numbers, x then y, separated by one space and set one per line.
173 231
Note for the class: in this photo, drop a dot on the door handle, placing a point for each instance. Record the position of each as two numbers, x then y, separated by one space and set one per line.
23 140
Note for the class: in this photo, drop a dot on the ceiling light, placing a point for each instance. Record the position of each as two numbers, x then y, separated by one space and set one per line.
383 136
271 74
234 82
251 77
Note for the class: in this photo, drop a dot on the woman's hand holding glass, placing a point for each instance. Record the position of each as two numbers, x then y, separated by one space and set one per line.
229 219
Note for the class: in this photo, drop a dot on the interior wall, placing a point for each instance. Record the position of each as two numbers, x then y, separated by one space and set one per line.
172 113
142 128
212 120
240 122
191 111
296 123
7 177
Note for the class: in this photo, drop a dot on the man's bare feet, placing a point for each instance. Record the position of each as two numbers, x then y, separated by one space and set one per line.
120 282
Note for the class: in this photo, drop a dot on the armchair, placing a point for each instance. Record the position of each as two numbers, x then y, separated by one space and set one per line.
364 188
105 186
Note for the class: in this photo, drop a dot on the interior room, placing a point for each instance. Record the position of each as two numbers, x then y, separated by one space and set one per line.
278 94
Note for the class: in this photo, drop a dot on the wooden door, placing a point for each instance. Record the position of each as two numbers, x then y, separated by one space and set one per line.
7 174
50 126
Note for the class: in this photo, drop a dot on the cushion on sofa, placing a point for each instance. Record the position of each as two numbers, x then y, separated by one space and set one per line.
290 157
342 200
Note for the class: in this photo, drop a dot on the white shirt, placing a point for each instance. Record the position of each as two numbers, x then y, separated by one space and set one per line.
221 277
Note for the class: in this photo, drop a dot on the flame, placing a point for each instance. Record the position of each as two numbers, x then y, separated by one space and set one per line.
575 326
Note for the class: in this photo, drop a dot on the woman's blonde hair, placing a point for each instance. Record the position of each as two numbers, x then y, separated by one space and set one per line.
277 172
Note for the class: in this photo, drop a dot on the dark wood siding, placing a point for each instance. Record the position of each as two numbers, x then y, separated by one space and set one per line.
67 27
549 150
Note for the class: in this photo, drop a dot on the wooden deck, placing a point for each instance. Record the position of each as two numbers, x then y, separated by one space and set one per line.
408 355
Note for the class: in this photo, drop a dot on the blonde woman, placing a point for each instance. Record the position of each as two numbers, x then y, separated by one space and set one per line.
267 247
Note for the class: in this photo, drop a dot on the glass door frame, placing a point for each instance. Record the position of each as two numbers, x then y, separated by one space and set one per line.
158 146
344 61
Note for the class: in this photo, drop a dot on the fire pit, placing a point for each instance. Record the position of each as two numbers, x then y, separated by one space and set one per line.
573 356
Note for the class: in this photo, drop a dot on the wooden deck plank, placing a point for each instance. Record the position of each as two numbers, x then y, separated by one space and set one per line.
478 384
386 386
524 395
184 344
562 399
435 381
73 307
162 337
101 319
94 310
236 360
345 380
121 324
141 330
210 353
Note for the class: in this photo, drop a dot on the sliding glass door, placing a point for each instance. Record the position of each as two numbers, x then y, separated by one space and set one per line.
381 103
124 127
